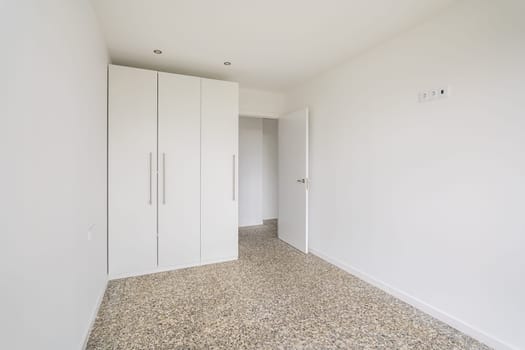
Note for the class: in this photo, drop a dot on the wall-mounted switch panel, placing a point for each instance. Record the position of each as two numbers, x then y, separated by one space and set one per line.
434 94
424 96
443 92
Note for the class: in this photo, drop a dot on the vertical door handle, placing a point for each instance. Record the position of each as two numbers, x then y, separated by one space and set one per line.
163 178
150 165
234 179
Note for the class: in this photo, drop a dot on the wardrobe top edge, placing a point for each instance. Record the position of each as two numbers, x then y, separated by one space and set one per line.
185 75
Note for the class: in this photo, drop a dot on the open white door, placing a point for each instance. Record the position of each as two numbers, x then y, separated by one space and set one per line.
293 179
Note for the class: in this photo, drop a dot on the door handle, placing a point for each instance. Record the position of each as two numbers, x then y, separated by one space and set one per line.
150 165
306 182
164 178
233 182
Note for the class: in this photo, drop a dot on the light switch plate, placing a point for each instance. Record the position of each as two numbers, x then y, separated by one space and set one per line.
423 96
433 94
444 92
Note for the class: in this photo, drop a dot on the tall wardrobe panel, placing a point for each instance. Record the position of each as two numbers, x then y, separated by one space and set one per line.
132 188
172 170
179 149
219 159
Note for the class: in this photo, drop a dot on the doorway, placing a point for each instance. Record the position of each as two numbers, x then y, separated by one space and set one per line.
258 171
273 175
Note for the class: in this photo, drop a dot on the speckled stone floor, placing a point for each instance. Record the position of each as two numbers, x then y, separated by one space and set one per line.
273 297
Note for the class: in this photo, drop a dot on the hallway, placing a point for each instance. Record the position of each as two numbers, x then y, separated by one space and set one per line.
273 297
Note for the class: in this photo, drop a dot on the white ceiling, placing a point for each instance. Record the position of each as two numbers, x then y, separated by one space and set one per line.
272 44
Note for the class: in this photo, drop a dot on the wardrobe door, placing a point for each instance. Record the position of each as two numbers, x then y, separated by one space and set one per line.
219 118
179 170
132 143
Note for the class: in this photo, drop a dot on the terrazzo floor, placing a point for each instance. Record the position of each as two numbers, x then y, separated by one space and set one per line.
273 297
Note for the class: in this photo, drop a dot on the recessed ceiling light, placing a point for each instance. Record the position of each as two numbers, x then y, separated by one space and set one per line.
227 63
157 51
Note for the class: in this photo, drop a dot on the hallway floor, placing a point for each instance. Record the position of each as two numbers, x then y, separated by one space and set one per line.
273 297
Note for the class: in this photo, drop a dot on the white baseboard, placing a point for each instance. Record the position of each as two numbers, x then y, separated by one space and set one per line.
220 260
419 304
252 225
94 315
149 272
171 268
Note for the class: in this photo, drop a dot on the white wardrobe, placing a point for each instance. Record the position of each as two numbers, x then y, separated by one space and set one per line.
172 172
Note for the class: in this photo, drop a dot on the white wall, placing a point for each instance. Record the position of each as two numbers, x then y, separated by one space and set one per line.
270 163
428 198
53 178
260 103
250 171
